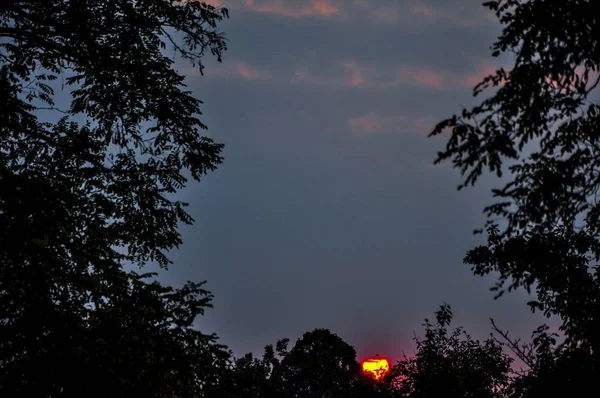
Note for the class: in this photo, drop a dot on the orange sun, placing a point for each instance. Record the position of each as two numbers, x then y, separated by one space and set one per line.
376 367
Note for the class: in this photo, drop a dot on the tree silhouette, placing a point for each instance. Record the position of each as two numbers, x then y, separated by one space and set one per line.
251 377
141 342
79 201
320 364
551 369
446 364
452 364
543 232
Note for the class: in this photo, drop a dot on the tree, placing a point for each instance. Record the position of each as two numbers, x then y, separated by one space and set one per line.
252 377
451 365
79 201
551 369
140 343
319 365
544 231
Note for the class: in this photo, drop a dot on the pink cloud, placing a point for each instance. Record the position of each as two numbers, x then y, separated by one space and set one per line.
425 78
463 13
214 3
304 75
562 85
375 76
356 78
375 123
411 12
485 69
474 78
353 75
428 12
370 123
248 72
425 124
418 12
233 69
286 8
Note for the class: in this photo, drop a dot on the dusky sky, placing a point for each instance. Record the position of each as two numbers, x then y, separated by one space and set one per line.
327 211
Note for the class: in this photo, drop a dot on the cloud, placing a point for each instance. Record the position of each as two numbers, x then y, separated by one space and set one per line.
423 78
419 12
248 72
383 76
291 8
348 74
305 75
386 76
485 69
406 12
476 77
370 123
233 69
214 3
462 13
352 74
356 78
436 14
375 123
564 85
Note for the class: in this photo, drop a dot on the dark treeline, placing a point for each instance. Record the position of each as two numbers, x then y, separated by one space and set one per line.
448 363
79 202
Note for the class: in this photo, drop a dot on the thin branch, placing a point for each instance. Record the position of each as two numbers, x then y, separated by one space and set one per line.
51 108
513 345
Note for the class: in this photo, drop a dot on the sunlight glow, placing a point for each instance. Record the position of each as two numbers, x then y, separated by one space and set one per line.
376 367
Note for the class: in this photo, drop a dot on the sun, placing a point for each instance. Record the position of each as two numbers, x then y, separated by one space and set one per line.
376 367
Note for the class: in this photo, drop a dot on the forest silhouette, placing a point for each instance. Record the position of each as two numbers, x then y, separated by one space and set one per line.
80 201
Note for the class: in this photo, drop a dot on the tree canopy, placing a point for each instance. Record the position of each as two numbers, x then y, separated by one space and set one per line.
80 201
320 364
446 363
452 364
540 122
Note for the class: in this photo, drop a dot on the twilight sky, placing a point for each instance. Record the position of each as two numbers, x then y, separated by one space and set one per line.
327 211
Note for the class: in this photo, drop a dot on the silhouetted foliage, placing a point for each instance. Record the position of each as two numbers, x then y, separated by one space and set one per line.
140 341
446 364
551 369
452 364
80 201
252 377
320 365
544 231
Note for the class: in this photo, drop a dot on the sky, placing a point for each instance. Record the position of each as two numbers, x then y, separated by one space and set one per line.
327 211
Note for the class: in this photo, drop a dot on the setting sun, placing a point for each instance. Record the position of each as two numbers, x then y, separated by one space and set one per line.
376 367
